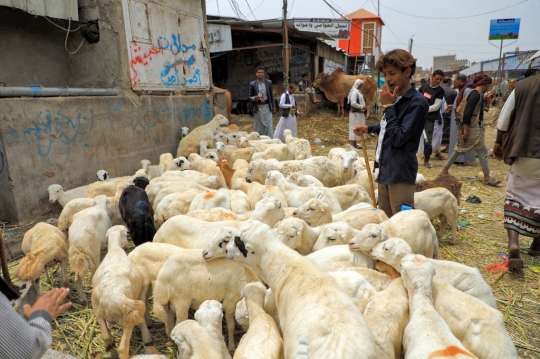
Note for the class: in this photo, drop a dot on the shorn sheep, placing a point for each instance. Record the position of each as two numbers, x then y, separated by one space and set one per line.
439 203
318 319
427 335
44 246
57 193
446 181
210 316
87 237
117 286
262 340
465 278
190 143
201 280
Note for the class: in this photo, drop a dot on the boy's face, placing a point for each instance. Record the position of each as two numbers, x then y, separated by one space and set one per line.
435 80
395 77
304 78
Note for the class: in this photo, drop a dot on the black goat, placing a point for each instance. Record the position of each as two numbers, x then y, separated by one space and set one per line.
137 212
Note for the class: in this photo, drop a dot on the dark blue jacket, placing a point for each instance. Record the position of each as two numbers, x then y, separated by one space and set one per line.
254 90
404 125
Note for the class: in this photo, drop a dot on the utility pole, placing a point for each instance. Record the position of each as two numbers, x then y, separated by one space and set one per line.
285 47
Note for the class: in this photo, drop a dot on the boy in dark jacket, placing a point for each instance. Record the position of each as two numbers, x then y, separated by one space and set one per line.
405 113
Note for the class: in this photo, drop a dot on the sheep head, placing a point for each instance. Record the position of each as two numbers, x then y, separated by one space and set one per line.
347 160
332 234
145 164
209 314
273 178
391 252
312 211
250 243
417 273
212 155
184 132
117 234
182 163
369 237
141 182
289 232
102 175
54 192
221 120
216 247
268 210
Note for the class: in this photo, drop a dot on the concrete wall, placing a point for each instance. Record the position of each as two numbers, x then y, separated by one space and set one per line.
66 140
32 50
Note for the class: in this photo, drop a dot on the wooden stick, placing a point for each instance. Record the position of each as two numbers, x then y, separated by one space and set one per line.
371 187
3 259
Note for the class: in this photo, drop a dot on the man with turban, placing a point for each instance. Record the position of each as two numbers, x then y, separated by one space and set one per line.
470 115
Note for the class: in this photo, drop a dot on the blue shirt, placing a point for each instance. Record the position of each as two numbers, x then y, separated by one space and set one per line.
404 125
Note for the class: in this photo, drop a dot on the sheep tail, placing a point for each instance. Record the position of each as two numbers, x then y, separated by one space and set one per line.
124 311
81 261
33 264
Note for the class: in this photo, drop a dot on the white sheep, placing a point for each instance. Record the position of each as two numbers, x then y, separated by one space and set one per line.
297 196
211 168
413 226
200 280
108 188
211 199
333 234
117 286
44 246
426 335
356 286
379 281
75 205
193 341
262 340
165 164
148 258
439 203
218 241
184 131
349 195
180 191
302 180
318 319
362 178
190 143
386 315
297 235
87 237
172 205
213 214
210 316
320 167
239 201
336 257
316 213
57 193
344 159
300 148
465 278
256 191
279 152
268 210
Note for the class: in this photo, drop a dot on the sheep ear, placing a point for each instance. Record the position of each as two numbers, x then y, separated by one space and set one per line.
319 195
265 194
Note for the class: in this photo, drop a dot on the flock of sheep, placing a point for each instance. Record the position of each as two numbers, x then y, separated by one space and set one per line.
288 244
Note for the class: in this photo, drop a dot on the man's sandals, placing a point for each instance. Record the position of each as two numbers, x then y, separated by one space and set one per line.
493 182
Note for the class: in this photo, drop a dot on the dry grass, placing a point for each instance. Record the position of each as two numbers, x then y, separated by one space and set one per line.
479 244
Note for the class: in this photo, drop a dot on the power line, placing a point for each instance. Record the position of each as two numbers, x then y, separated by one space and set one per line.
258 6
249 7
392 31
451 18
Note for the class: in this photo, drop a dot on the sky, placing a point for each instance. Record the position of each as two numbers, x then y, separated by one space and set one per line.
459 27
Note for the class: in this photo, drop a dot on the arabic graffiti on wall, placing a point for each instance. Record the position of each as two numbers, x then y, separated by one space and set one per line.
175 60
62 130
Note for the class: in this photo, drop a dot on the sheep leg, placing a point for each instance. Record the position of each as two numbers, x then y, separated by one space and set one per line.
229 317
123 348
106 334
64 270
442 219
47 278
79 287
145 297
146 337
181 311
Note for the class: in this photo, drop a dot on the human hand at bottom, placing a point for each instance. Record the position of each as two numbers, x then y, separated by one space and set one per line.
497 151
52 302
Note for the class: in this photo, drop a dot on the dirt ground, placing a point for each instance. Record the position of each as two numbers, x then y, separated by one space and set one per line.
480 242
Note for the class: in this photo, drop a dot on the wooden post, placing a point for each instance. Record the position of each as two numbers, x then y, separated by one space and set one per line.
285 47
